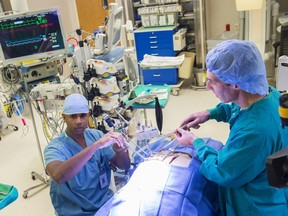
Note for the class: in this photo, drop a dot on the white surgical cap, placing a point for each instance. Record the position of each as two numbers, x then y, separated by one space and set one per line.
75 104
239 62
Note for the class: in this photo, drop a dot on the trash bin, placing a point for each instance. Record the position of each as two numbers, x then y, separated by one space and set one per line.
199 77
186 69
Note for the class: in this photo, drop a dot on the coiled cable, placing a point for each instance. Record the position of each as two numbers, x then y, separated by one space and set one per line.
11 74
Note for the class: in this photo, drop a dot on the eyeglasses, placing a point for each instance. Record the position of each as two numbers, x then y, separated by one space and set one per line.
211 81
214 82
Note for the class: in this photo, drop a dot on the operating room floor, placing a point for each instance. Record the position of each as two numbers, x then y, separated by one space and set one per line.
19 154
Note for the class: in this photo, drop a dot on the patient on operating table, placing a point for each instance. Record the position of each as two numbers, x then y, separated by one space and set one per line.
168 183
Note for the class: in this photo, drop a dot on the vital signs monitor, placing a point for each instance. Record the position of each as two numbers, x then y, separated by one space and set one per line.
31 35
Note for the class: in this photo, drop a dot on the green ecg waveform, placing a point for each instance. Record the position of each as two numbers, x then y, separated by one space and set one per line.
24 23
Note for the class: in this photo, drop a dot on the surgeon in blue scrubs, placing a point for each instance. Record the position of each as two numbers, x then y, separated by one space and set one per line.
237 76
78 162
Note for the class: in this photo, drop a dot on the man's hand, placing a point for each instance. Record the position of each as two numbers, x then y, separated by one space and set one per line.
118 148
195 119
111 138
184 137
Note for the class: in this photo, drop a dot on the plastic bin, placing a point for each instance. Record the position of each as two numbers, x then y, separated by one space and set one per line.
150 20
186 69
200 77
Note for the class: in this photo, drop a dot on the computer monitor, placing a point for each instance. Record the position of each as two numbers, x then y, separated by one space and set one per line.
30 36
114 27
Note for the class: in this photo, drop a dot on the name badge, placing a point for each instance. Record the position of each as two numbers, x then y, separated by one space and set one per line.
103 180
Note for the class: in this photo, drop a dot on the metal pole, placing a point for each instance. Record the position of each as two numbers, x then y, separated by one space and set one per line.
33 121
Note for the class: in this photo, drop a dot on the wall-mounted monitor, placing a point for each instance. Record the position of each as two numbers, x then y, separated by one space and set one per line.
31 35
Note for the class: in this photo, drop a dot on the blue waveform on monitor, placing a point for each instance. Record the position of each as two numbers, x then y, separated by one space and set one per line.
26 41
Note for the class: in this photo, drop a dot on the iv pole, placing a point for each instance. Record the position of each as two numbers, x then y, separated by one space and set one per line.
35 175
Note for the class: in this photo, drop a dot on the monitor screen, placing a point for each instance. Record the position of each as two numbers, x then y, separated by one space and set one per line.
31 35
114 28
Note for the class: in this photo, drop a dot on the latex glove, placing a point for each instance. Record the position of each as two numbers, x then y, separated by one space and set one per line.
195 119
111 138
184 137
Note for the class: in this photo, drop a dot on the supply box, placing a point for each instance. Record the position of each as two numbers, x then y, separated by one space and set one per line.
179 39
186 69
157 1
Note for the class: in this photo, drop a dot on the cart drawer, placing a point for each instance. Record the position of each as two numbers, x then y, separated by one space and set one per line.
154 52
160 39
160 76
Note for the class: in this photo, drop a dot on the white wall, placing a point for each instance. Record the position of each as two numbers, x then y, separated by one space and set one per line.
218 14
257 28
283 5
67 9
20 6
222 12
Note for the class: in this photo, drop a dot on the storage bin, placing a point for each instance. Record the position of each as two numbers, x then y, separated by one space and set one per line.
200 77
179 39
154 20
145 20
149 1
186 69
148 10
151 20
172 18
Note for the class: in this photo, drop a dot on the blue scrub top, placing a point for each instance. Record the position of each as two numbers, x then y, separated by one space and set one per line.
81 195
239 167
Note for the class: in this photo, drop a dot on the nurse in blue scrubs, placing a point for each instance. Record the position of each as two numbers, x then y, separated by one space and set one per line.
237 76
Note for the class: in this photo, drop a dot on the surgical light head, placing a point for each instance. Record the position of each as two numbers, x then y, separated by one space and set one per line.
75 104
239 62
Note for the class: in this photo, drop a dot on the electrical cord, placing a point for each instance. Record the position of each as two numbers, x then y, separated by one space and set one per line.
45 130
19 113
11 74
10 87
49 124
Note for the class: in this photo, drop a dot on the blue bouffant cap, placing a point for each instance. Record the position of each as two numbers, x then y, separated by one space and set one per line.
239 62
75 104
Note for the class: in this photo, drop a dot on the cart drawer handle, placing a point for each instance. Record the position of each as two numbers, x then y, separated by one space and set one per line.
156 75
153 37
154 54
154 47
153 42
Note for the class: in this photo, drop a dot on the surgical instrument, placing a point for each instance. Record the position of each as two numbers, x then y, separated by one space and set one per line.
134 150
169 134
